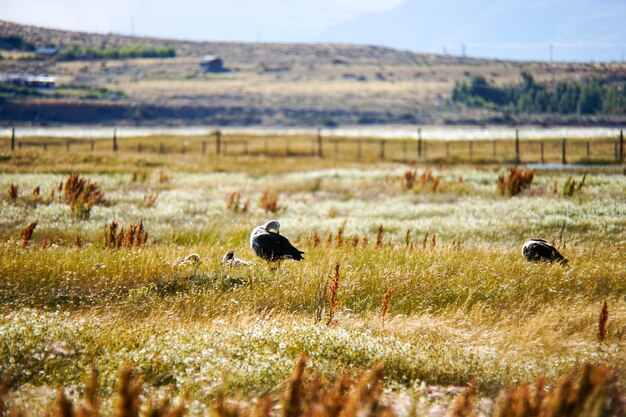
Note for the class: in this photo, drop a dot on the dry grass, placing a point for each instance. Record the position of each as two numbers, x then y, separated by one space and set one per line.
27 234
425 182
163 177
234 203
150 199
128 394
572 186
593 391
269 202
12 192
465 303
604 318
315 239
81 195
409 178
133 236
517 181
465 402
385 306
139 176
333 303
379 236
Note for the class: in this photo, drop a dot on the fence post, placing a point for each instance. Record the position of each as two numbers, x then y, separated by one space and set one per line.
541 146
93 145
67 145
470 150
424 150
161 148
447 150
183 147
419 143
45 146
203 147
335 148
517 146
12 138
218 141
621 145
319 142
588 152
382 149
494 149
404 144
139 148
115 140
563 144
19 145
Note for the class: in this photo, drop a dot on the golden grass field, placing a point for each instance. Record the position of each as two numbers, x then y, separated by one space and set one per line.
442 259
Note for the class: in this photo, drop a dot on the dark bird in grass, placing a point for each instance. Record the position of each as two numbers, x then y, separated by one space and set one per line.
231 259
540 250
267 243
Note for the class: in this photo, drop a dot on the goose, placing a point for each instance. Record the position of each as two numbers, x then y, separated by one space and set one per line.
231 259
267 243
540 250
192 259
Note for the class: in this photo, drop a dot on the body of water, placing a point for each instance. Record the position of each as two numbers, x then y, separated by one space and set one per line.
386 132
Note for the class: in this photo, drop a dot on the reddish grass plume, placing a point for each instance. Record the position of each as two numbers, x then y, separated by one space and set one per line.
517 181
27 233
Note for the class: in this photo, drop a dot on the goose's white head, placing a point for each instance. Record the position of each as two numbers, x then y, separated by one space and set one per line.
272 225
264 229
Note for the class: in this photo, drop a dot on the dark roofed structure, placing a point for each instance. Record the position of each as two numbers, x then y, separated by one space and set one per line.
212 63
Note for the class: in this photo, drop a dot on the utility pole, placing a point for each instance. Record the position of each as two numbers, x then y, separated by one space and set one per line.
551 53
115 147
319 142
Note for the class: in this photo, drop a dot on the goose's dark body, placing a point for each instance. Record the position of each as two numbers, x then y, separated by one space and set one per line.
540 250
271 245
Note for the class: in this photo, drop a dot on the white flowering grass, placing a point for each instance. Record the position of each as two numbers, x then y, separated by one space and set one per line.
466 206
463 305
248 354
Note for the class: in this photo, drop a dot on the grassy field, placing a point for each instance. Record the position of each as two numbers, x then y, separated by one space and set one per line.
463 302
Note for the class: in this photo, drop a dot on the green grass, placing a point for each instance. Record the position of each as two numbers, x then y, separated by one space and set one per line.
467 306
62 91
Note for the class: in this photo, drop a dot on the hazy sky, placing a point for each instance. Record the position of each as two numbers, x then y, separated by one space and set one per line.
243 20
575 30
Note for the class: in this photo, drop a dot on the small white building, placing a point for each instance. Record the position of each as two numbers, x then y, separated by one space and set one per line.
29 80
46 50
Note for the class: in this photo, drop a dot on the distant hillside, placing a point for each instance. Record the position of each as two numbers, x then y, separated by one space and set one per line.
237 52
264 83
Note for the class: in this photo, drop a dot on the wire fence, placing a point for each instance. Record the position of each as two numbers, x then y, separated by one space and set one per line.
498 150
